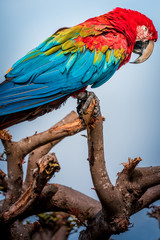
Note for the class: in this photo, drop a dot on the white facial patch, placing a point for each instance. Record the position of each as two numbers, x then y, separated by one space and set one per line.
142 33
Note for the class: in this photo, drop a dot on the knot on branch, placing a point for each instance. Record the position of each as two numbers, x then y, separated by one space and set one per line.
120 224
48 164
46 167
130 165
5 135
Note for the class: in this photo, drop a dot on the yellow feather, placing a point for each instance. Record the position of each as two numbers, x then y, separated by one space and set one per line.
104 48
67 34
53 50
68 44
79 44
108 54
116 53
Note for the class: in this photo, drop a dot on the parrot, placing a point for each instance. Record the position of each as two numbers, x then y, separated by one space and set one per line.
70 60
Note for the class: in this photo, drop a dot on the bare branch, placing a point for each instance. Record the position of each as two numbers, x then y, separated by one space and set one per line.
108 195
135 189
150 196
41 151
34 156
69 200
16 151
138 185
15 173
146 177
59 198
47 166
114 215
72 127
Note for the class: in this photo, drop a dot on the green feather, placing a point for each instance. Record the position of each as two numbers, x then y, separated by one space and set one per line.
52 50
87 31
108 54
68 44
67 34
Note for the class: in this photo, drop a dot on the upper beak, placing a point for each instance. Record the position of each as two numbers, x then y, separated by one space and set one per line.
144 49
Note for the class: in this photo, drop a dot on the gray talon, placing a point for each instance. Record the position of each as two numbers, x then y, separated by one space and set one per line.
86 98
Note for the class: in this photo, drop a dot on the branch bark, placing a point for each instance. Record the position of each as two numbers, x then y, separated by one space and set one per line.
135 188
109 196
15 172
44 149
47 166
16 151
73 126
151 195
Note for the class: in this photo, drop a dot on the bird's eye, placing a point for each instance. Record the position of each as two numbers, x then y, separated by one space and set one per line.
144 28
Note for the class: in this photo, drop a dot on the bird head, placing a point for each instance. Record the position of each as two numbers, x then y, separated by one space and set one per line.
144 45
146 35
139 31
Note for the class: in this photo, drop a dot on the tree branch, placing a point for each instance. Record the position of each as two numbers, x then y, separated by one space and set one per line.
16 151
109 196
72 127
114 215
146 177
41 151
59 198
47 166
15 172
69 200
151 195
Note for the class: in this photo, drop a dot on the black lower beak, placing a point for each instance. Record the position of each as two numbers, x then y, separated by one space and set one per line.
140 46
144 49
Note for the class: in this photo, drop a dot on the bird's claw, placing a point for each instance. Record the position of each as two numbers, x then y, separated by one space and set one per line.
84 100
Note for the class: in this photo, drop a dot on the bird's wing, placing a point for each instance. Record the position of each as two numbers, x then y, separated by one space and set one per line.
69 60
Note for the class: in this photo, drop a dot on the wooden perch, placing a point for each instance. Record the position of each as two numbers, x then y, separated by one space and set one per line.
71 127
108 195
135 187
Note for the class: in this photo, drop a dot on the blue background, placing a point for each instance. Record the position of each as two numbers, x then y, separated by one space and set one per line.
129 101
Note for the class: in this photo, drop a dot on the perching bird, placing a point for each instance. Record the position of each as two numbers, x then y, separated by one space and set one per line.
70 60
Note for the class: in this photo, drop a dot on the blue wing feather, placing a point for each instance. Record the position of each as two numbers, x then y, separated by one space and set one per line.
38 78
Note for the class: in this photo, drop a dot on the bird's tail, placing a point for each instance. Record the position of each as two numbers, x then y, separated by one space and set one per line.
30 114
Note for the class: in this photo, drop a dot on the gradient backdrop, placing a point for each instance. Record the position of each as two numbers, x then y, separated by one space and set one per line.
129 101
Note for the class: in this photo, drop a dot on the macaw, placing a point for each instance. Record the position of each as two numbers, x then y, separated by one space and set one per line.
70 60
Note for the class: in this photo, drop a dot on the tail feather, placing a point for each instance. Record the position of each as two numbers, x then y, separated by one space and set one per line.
30 114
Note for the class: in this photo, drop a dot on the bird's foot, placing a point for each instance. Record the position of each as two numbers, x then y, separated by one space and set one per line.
84 100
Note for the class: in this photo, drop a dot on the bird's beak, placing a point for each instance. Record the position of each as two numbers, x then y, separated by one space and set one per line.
144 49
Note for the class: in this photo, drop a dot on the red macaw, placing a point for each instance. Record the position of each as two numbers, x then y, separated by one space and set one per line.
70 60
